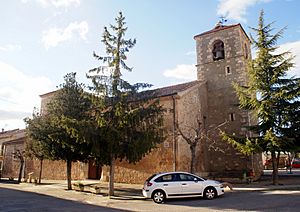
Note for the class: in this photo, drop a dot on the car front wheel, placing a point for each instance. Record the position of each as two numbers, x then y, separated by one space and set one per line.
210 193
158 196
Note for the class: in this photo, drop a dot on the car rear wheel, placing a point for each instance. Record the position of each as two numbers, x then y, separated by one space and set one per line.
210 193
158 196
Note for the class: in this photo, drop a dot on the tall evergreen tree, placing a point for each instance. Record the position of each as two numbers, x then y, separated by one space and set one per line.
272 97
129 123
60 129
36 148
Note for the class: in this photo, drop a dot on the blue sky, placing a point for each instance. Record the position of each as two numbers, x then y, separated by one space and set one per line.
42 40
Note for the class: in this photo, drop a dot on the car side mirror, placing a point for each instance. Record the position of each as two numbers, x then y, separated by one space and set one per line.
196 180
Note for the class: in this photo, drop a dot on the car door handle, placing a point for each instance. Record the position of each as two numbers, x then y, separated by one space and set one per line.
165 184
183 184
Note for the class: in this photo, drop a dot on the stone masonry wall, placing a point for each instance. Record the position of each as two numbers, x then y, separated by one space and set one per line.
189 111
55 170
221 97
160 159
11 165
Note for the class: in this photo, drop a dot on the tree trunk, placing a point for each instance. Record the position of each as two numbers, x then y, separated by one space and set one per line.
275 168
193 159
69 168
111 191
21 170
41 169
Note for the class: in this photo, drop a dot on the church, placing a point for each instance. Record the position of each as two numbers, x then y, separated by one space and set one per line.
222 57
209 103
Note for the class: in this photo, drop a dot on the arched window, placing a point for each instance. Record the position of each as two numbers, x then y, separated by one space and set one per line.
218 50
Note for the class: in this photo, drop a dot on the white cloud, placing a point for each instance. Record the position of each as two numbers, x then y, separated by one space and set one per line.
294 48
19 94
190 53
11 124
236 9
56 3
183 71
60 3
54 36
10 48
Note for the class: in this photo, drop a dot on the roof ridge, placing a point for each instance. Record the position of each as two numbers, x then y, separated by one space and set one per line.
180 84
170 90
215 29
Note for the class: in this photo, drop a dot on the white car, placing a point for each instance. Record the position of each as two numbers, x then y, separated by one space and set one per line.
162 186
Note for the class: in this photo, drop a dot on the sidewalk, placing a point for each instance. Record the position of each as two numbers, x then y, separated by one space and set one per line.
58 188
134 191
129 193
287 181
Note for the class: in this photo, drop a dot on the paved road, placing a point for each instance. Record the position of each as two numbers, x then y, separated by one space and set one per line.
247 201
277 200
16 200
52 196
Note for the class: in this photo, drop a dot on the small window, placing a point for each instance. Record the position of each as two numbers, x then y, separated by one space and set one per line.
166 144
227 70
231 116
1 150
246 51
218 50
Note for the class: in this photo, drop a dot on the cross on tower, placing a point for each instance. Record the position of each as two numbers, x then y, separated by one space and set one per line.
222 20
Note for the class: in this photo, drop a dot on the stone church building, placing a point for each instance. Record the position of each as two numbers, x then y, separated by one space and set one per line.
222 57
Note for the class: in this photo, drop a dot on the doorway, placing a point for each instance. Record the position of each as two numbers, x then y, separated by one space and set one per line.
94 170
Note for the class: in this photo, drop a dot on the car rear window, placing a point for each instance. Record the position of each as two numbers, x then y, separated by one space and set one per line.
165 178
149 178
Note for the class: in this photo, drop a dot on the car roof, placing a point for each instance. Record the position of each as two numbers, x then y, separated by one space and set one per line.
179 172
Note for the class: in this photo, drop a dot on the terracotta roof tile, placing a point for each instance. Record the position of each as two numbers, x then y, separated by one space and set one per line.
219 28
170 90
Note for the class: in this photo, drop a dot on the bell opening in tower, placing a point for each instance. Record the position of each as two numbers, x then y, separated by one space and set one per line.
218 50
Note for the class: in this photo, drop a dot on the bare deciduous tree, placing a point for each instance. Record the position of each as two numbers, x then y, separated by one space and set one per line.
20 156
193 135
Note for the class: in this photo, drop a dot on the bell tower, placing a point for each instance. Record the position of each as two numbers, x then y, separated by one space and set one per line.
222 57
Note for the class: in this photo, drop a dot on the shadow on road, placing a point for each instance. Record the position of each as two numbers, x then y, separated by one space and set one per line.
15 200
8 181
236 201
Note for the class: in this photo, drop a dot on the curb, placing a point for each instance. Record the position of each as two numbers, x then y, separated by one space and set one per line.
289 187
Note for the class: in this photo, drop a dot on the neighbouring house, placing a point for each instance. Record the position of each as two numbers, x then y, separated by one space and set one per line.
15 140
222 57
11 142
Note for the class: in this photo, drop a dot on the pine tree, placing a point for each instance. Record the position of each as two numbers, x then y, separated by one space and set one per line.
129 123
271 96
61 130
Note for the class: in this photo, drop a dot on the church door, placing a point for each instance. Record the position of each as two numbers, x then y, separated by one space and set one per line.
94 170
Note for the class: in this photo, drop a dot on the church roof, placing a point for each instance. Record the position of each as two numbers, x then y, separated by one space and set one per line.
155 93
221 27
48 94
170 90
